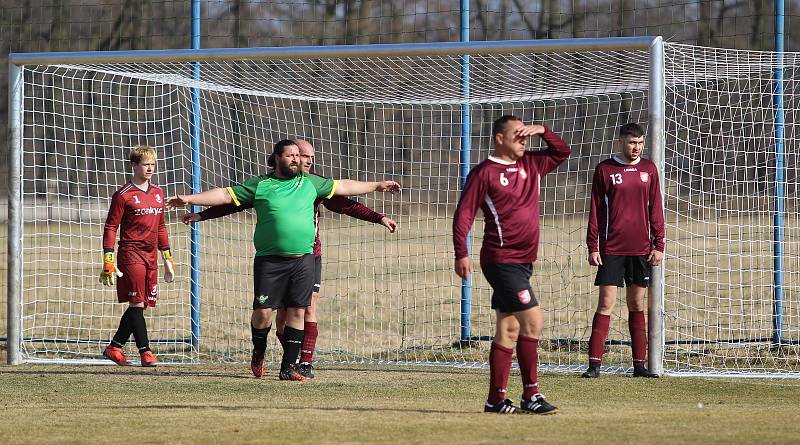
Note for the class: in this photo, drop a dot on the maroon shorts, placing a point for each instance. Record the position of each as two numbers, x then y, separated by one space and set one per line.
137 284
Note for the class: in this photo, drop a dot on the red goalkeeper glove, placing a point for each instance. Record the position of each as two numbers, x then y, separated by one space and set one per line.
109 270
169 268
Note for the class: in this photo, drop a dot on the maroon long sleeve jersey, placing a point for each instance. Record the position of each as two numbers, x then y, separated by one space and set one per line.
626 215
337 204
139 216
508 194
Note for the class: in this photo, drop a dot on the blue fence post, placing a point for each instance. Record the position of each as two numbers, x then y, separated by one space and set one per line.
466 134
780 198
195 140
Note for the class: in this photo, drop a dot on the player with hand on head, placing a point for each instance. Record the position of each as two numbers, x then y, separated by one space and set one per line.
506 188
625 238
283 267
137 211
337 204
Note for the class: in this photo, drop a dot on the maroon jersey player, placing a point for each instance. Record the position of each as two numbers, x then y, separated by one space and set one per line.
506 188
337 204
137 211
625 238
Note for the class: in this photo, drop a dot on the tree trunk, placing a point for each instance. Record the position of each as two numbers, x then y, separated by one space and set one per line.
705 29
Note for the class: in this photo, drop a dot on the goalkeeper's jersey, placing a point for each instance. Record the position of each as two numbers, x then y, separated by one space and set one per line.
139 216
284 210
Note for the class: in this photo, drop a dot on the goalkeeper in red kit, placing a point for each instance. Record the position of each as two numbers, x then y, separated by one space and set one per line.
625 238
137 211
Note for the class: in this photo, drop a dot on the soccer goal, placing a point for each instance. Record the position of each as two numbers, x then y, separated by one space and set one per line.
420 114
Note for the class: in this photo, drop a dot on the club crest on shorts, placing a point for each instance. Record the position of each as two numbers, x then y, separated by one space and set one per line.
263 299
644 176
524 296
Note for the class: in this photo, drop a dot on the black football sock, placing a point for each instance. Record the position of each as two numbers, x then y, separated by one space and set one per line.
259 337
139 329
124 330
293 339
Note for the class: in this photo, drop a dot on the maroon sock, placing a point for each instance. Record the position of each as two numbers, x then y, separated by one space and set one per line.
597 343
310 334
499 369
279 334
528 358
638 330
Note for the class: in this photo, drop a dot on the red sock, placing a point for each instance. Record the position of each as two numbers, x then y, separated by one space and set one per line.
528 358
597 343
279 334
499 369
309 342
638 330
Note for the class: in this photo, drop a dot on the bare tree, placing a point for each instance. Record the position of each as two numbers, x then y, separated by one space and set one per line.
758 17
241 23
483 19
549 21
706 32
119 30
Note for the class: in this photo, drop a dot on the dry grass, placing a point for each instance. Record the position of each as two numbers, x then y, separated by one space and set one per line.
203 404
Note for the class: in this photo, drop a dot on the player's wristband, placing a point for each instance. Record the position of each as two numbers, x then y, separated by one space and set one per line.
108 257
166 254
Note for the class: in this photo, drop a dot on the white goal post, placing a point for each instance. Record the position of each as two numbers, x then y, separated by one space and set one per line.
375 111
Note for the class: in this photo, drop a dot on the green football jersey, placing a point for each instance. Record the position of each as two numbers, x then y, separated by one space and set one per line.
284 210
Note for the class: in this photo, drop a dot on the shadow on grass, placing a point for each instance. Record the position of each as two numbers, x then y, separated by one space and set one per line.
294 409
227 371
126 371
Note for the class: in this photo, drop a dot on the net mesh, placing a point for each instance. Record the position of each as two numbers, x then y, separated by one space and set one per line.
721 200
393 297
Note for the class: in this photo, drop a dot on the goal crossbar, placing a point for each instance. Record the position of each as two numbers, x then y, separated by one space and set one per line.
337 51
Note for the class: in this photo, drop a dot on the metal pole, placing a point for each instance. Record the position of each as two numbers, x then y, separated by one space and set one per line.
655 299
14 297
466 134
780 198
196 185
338 51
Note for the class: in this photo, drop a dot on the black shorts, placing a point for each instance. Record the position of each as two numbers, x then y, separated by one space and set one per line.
511 285
618 270
317 273
280 281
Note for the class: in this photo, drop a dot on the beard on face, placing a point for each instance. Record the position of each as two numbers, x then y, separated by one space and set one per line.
286 170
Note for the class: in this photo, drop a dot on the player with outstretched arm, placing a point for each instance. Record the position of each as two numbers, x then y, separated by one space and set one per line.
283 267
337 204
506 188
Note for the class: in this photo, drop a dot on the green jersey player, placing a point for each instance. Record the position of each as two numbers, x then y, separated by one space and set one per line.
283 268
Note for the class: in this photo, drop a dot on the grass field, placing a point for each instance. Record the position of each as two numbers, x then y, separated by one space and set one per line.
353 404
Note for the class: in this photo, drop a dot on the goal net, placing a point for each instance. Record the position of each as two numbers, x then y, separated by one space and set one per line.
723 190
393 298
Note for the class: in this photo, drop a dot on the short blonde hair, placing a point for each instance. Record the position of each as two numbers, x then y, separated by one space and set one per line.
142 152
